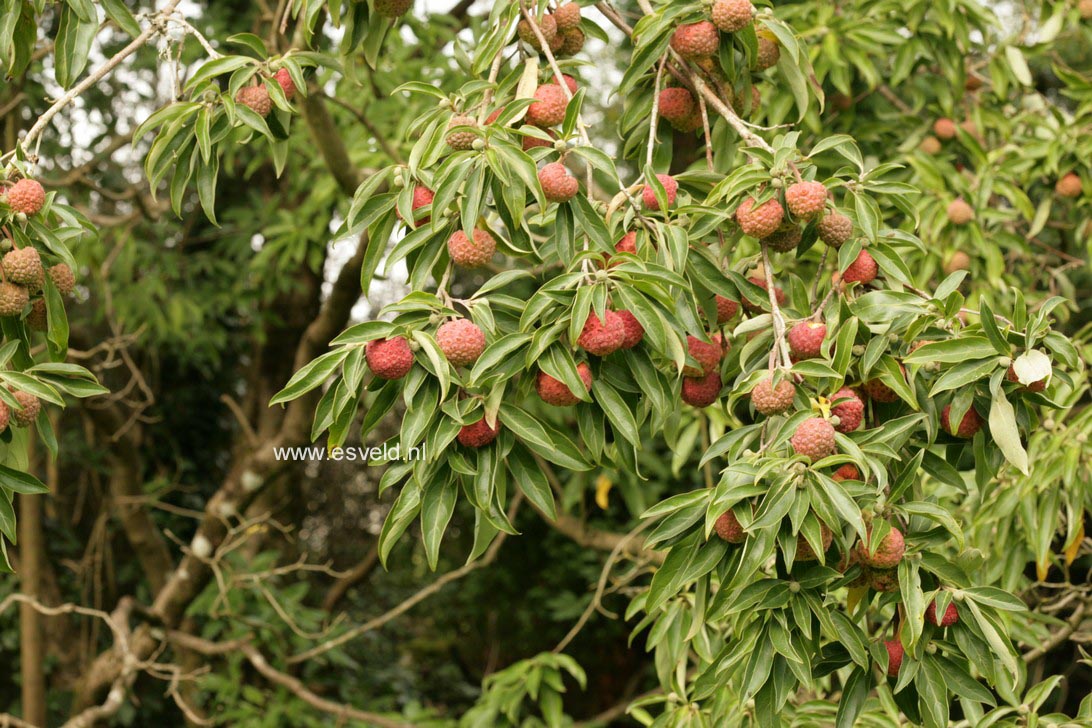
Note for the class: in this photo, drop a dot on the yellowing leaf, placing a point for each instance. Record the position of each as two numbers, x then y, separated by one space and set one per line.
1072 549
856 593
603 484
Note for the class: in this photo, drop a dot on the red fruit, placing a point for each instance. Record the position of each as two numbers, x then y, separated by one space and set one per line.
707 354
834 229
696 40
5 416
603 336
556 392
461 341
567 16
806 199
951 614
968 426
771 400
478 434
848 471
732 15
29 408
762 221
814 439
804 551
944 129
471 254
1033 387
530 142
726 309
26 196
422 196
887 555
848 408
806 339
676 104
671 188
729 529
959 212
779 295
389 358
284 80
702 391
635 333
1068 186
627 243
894 657
461 140
255 98
548 108
863 270
557 184
570 82
877 391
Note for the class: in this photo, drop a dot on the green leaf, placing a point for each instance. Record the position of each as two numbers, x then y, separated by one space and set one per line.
1005 433
312 375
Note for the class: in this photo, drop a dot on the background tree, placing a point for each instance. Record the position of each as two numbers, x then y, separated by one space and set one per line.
716 531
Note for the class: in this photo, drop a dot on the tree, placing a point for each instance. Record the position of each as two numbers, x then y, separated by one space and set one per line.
774 339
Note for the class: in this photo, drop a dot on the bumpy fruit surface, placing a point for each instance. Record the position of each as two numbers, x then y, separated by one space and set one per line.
848 471
967 427
567 16
732 15
461 341
806 199
814 439
461 140
951 615
707 354
635 332
478 434
24 266
786 238
38 318
701 391
771 400
284 80
959 212
752 306
255 98
389 358
888 553
1068 186
863 270
696 40
884 580
469 253
848 408
547 25
726 309
572 41
548 108
769 53
676 104
804 551
570 82
877 391
557 184
806 339
834 229
602 336
13 299
944 128
761 221
30 408
671 190
728 528
5 416
556 392
895 653
26 196
627 243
